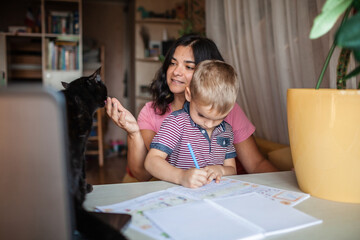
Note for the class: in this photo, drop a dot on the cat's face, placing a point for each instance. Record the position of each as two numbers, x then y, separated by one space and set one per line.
89 88
96 87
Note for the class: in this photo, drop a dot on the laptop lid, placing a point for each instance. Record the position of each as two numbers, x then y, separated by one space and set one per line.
35 201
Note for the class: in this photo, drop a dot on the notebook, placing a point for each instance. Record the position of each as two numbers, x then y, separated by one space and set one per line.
35 202
247 216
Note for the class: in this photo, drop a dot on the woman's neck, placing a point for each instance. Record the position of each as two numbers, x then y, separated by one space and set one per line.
178 102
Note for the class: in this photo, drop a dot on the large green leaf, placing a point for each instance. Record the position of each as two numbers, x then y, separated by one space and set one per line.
355 72
356 4
357 53
331 4
331 11
348 35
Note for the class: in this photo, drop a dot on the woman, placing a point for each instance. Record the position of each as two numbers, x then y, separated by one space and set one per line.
168 90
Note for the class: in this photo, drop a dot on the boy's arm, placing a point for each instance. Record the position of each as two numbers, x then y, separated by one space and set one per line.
229 167
156 165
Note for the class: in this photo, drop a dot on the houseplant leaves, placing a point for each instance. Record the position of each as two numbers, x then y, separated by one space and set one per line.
348 35
331 11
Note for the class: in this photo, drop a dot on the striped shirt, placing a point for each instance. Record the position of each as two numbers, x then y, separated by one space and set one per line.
178 129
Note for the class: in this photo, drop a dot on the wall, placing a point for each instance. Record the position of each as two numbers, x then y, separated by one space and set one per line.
106 22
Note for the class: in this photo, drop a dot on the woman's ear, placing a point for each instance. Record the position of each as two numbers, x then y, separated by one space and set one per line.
187 94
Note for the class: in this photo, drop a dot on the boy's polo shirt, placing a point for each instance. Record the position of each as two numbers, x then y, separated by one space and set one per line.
178 129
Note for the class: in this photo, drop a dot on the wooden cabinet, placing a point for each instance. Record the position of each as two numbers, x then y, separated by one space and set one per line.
47 49
155 26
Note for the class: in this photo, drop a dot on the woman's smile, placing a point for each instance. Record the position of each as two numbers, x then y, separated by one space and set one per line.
181 69
175 81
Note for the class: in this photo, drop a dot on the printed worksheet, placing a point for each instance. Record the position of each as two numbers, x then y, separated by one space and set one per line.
137 206
179 195
230 187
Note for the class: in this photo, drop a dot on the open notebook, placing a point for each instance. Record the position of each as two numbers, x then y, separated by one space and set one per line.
35 200
248 216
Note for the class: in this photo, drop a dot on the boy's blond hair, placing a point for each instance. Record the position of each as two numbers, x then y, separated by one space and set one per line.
215 83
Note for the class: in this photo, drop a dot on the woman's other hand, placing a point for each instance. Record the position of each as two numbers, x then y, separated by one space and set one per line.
121 116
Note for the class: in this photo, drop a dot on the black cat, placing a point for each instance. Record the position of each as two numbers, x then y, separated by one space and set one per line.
83 97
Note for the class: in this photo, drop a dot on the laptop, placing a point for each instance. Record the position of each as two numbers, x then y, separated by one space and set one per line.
35 202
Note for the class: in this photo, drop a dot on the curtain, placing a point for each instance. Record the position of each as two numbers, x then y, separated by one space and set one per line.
267 42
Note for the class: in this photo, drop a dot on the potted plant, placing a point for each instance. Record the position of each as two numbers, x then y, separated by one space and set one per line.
324 129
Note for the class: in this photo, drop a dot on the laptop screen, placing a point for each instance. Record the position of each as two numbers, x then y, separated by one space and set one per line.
35 202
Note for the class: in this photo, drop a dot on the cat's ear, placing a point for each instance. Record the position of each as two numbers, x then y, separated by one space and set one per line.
96 75
65 84
98 71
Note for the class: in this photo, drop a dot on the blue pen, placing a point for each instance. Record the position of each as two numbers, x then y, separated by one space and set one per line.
193 156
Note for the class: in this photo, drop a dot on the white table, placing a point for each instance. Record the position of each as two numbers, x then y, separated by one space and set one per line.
340 220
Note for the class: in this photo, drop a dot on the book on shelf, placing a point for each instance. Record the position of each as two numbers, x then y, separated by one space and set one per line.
62 55
63 22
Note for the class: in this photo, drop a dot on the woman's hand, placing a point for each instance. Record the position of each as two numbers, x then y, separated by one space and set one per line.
121 116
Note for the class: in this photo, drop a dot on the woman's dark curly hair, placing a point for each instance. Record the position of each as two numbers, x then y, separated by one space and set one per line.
203 49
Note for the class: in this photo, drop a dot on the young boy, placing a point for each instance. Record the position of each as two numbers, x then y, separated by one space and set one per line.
210 97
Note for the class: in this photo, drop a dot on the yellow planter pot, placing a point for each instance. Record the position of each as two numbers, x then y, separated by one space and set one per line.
324 131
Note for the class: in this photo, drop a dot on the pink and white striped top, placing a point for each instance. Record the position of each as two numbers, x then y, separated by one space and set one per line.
178 129
241 125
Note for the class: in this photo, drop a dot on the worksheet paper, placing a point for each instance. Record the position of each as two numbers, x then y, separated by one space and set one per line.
248 216
230 187
137 206
180 195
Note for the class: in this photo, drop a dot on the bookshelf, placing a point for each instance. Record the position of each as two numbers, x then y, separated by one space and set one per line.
46 49
160 29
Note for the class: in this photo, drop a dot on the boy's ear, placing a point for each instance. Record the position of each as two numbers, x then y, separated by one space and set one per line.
187 94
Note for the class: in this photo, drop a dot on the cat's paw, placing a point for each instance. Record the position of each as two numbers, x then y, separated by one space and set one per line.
89 188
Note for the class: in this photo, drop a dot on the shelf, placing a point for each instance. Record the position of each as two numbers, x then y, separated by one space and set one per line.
149 59
27 59
92 152
144 97
93 138
21 34
160 21
63 37
71 72
73 1
26 74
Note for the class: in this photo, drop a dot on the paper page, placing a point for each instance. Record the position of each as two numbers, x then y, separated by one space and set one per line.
136 207
273 217
231 187
201 220
180 195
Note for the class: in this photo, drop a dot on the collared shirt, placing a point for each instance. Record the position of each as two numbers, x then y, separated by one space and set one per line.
178 129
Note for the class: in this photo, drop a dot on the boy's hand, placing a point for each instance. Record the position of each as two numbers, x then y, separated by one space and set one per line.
194 178
214 172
